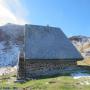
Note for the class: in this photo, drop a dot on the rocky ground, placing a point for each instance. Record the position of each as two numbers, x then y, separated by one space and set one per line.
82 43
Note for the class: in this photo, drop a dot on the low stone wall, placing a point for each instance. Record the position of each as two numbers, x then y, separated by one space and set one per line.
21 69
84 67
38 68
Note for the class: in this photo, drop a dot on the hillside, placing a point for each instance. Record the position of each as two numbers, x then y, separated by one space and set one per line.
82 43
11 40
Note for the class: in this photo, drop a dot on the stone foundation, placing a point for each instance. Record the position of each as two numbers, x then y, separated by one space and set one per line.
38 68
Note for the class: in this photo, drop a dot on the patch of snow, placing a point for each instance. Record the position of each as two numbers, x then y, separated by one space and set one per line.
1 45
80 75
10 57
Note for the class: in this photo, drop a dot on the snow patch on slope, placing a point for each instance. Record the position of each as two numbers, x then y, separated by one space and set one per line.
80 75
9 57
82 43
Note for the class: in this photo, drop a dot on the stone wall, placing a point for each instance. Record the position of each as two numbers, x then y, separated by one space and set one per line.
21 69
38 68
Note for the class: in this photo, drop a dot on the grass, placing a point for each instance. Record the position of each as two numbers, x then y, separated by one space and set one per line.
63 82
53 83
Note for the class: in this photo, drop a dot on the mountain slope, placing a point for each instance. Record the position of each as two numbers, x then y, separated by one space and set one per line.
82 43
11 40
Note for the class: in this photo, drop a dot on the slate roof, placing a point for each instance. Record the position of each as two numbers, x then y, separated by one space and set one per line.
45 42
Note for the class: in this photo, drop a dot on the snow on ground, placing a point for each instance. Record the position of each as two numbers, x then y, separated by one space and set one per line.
80 75
8 57
1 45
82 78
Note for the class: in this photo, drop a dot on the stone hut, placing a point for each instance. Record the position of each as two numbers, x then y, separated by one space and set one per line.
47 52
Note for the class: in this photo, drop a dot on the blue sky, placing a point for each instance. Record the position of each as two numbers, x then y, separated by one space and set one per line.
72 16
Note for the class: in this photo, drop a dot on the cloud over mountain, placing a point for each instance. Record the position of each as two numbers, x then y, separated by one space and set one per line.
11 11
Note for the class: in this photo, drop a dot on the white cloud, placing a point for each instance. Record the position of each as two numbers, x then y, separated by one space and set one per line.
6 14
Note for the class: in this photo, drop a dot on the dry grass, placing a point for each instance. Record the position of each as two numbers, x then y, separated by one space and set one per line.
86 61
86 46
56 83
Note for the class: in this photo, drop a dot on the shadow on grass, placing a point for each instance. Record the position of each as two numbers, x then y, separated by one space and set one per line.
82 68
